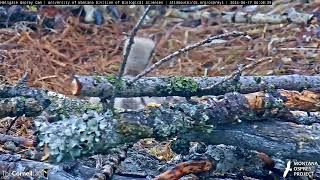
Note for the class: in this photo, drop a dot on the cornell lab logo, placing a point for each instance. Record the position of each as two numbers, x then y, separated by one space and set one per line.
288 168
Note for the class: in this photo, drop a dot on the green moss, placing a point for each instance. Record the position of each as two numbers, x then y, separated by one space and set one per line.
179 84
62 111
134 131
96 77
92 106
112 78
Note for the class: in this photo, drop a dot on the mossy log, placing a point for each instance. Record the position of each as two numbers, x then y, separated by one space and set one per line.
72 137
102 86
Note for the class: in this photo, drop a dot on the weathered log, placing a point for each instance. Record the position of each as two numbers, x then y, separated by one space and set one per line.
92 133
9 91
18 106
18 140
205 162
302 117
292 100
102 86
279 139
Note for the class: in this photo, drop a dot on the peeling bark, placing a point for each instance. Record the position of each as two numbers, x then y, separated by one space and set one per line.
185 168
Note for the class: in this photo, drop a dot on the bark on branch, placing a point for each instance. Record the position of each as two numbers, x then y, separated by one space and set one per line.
275 138
18 106
185 86
8 91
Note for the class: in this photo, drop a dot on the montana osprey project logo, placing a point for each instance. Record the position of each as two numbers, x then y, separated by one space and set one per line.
288 168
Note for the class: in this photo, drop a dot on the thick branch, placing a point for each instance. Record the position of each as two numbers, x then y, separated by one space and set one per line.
19 106
90 133
175 86
280 139
8 91
302 117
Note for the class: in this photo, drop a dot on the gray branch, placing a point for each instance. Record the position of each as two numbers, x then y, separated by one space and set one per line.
186 87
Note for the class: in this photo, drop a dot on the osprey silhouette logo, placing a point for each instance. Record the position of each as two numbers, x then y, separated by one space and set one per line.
288 168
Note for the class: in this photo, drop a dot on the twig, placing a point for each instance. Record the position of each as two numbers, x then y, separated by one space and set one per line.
127 51
237 73
131 41
11 124
183 50
23 80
